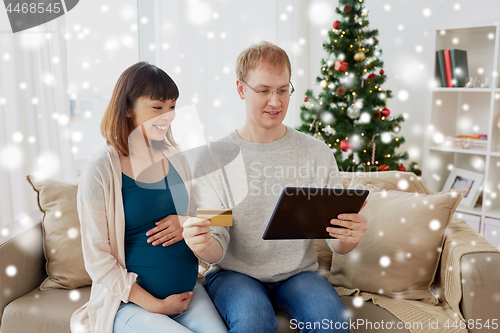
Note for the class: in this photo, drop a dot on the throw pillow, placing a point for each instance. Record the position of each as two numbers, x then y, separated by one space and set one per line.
399 253
389 181
62 243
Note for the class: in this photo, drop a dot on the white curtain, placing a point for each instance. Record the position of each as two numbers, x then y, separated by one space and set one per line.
34 114
197 42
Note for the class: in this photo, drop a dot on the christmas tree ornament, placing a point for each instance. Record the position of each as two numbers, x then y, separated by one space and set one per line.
396 128
359 56
340 91
323 84
327 117
381 72
386 112
347 9
340 66
336 25
345 145
383 167
375 38
373 149
371 76
314 121
376 115
353 112
306 99
401 168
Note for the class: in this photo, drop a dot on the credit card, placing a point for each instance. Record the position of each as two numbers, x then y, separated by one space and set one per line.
217 217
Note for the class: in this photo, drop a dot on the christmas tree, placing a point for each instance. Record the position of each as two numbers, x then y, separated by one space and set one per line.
350 114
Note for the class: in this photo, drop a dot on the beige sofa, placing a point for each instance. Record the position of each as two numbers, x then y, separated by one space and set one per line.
24 308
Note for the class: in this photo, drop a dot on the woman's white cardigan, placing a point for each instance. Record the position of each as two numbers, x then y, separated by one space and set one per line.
102 219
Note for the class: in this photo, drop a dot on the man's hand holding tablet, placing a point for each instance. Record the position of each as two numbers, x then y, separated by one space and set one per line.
355 227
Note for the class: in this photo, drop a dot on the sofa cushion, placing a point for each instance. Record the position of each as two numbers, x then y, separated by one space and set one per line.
43 311
399 253
323 251
62 244
387 180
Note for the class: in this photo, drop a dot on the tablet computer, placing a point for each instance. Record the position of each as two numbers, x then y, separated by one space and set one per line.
305 213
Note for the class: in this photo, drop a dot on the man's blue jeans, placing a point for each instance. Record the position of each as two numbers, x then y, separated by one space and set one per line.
247 304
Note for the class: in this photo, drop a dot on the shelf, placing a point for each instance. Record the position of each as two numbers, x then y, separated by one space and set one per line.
494 213
461 150
477 210
464 89
495 153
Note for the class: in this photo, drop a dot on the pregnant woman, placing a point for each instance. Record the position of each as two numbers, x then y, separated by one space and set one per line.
142 280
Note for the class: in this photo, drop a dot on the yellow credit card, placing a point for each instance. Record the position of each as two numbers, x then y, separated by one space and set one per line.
217 217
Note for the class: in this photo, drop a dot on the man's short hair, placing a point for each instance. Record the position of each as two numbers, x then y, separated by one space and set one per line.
262 54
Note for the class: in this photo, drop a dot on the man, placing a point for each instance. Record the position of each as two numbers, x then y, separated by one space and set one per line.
251 275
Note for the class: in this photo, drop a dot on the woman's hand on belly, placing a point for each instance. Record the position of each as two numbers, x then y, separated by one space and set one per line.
175 304
171 305
168 231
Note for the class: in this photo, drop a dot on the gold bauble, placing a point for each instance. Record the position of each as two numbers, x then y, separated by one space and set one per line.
359 56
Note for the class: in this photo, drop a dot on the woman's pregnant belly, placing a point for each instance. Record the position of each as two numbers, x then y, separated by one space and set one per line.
162 271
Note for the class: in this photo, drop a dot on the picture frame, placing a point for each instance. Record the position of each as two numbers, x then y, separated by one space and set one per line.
466 180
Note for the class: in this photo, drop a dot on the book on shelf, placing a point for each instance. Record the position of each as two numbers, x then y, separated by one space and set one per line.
474 136
478 141
460 69
447 67
452 67
440 67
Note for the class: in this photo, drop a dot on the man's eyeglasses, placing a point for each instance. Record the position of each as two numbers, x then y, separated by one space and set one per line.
283 92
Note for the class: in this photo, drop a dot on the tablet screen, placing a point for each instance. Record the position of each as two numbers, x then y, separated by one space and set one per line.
305 212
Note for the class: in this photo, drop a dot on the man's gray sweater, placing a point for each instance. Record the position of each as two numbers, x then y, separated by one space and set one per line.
251 185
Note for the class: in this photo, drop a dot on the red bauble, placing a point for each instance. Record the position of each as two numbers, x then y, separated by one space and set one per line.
381 72
401 168
386 112
347 9
375 38
371 76
306 99
336 25
345 145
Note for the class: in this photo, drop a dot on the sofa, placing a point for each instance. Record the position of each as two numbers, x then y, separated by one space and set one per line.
476 291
